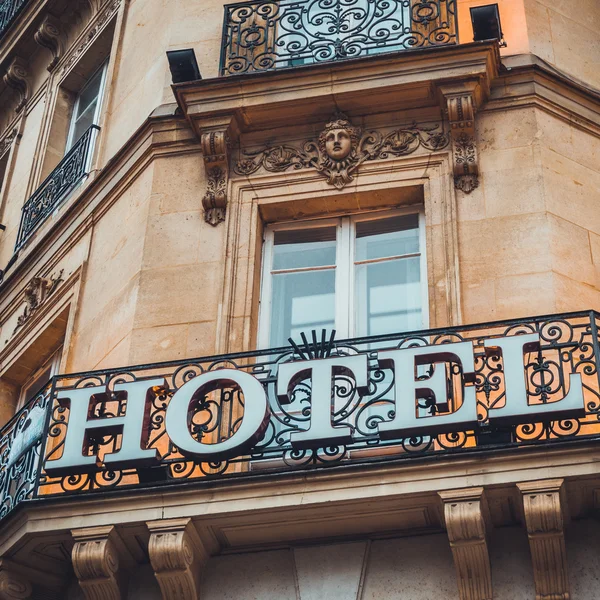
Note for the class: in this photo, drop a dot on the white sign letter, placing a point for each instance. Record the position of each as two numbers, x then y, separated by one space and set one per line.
408 389
512 349
251 429
133 426
321 372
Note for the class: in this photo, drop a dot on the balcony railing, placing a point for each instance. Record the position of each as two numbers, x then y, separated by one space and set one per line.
9 9
566 357
270 34
69 172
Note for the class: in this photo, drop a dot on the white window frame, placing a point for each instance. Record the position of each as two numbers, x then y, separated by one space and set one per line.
53 362
103 68
345 268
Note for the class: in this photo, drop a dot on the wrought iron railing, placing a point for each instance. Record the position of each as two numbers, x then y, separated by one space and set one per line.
9 9
569 344
269 34
69 172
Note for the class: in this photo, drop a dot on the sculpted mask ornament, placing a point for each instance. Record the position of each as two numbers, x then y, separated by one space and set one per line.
341 148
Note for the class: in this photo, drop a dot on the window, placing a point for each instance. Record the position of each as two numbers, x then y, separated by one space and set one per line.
362 275
39 379
86 110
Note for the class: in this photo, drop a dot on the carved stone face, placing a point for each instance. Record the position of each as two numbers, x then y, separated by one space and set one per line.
338 144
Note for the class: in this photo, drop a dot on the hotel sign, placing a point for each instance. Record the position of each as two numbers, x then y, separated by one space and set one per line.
340 398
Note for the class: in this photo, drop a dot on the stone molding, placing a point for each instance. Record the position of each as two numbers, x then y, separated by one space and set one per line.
50 35
216 141
177 556
544 504
17 77
96 563
465 513
101 16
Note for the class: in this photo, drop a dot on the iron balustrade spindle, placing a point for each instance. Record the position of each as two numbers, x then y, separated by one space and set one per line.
69 172
270 34
9 9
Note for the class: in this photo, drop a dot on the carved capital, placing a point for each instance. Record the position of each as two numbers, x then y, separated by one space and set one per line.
96 563
17 78
49 35
177 555
544 507
13 586
465 513
216 149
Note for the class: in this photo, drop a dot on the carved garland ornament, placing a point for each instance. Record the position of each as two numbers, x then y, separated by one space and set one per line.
340 150
6 143
38 290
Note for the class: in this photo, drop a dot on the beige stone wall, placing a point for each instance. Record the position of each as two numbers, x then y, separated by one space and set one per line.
566 34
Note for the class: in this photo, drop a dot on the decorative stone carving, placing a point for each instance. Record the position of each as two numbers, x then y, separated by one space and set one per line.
461 114
340 150
215 149
38 290
49 35
7 141
13 586
17 78
544 505
465 512
96 563
101 17
177 555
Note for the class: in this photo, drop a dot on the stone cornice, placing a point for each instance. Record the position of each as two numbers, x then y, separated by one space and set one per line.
311 94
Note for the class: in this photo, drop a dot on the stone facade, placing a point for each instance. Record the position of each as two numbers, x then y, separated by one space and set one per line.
131 268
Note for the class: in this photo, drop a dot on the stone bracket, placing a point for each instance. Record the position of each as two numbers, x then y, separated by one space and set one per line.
177 556
13 585
544 505
17 77
466 516
460 103
216 140
97 557
49 35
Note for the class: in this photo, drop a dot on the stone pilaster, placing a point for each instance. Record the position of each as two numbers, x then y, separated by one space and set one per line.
177 556
544 507
466 523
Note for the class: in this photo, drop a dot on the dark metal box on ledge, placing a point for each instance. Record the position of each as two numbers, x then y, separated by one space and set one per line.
265 34
181 419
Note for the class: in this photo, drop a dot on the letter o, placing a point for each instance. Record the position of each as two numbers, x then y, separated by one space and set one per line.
253 425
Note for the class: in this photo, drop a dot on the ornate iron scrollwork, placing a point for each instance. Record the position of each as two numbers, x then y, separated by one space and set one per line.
265 34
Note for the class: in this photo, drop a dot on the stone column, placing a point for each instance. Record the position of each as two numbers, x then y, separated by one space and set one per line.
177 556
545 511
465 513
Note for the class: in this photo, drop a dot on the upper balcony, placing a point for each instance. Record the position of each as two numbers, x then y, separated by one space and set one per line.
263 35
9 10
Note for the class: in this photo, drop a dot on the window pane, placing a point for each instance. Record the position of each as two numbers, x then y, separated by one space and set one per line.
38 384
83 123
388 297
301 302
89 94
387 237
296 249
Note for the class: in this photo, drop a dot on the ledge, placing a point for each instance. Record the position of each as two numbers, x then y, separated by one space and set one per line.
379 83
